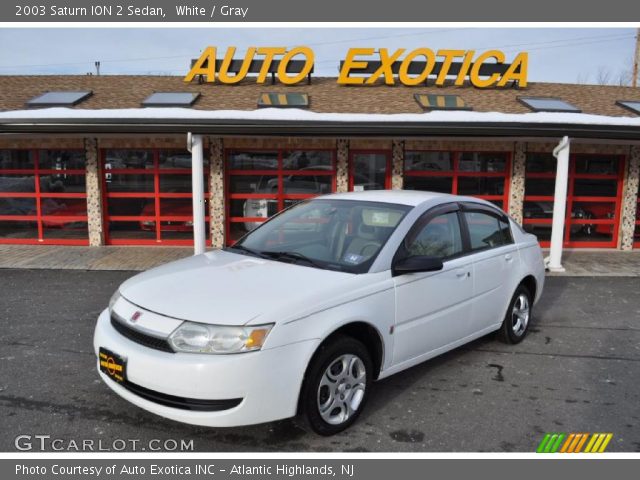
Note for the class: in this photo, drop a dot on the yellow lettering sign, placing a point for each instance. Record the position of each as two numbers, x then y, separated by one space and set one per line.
282 68
357 61
430 62
206 65
350 63
521 62
358 69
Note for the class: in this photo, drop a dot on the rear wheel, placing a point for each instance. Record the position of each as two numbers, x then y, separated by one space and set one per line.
337 385
516 321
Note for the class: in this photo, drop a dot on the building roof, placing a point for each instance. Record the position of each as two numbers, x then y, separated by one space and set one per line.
326 95
335 110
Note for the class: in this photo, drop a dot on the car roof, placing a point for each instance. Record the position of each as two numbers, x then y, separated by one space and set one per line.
402 197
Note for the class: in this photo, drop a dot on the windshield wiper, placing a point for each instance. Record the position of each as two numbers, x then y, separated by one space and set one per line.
291 256
250 251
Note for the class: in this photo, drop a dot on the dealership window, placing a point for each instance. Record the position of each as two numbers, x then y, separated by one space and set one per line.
43 197
260 183
594 196
369 170
148 197
479 174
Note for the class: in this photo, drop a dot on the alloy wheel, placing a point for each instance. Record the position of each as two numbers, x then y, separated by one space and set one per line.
520 314
341 389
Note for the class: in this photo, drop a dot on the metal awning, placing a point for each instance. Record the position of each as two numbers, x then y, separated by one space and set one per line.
318 128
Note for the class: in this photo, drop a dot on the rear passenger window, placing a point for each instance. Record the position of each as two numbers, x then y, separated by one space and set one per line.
439 238
487 231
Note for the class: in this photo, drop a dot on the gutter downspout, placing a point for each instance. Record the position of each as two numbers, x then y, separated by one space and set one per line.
194 145
554 261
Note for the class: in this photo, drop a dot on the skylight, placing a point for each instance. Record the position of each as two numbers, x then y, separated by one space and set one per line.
633 105
170 99
283 100
59 99
431 101
548 104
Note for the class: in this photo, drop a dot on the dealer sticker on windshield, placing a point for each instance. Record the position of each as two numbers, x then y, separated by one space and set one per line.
353 258
112 365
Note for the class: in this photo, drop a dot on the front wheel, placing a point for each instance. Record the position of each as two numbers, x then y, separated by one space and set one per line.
516 321
337 385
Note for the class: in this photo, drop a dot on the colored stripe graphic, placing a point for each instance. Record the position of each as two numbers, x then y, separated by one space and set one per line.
599 442
543 443
581 443
573 442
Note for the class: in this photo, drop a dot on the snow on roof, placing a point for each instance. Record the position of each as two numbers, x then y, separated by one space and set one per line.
297 115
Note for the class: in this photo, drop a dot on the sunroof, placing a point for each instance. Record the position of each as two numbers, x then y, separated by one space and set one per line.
431 101
170 99
548 104
633 105
59 99
283 100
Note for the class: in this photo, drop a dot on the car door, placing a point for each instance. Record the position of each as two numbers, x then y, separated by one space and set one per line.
494 257
433 308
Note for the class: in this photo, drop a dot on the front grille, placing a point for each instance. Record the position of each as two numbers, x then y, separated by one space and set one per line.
181 402
139 337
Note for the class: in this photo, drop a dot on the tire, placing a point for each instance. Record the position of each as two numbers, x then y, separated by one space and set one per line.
326 384
518 317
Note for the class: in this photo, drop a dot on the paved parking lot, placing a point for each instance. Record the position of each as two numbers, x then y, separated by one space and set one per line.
577 372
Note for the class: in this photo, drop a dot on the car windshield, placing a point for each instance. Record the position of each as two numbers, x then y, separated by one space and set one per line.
343 235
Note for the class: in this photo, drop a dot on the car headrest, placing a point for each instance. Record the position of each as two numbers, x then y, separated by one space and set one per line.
367 231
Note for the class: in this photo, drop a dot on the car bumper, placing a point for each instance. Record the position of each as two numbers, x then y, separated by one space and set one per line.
250 388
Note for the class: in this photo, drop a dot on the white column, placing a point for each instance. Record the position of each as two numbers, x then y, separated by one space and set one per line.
194 144
561 152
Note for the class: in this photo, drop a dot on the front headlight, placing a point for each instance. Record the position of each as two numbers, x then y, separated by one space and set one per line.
194 337
114 298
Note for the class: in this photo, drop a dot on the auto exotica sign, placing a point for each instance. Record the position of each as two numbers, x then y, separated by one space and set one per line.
363 66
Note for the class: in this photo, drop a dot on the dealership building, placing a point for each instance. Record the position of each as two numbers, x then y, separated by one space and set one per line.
104 160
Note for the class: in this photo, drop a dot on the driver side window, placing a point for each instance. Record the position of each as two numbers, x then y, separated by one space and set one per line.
440 237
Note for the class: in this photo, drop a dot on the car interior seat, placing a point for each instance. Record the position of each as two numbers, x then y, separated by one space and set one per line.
366 242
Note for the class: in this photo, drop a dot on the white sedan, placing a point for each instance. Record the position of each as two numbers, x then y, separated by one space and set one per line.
303 313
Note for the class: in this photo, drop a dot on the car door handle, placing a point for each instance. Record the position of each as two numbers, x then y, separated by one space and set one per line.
508 257
462 273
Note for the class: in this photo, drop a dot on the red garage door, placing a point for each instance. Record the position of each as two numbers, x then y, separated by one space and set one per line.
260 183
594 196
148 197
43 197
369 170
479 174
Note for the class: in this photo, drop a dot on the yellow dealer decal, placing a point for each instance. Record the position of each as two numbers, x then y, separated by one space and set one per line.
357 61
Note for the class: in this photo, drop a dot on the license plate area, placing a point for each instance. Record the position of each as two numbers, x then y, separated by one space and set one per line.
113 365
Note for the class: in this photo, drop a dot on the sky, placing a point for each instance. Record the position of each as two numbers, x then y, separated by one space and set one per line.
567 55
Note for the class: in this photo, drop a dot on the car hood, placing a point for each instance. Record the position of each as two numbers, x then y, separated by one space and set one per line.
226 288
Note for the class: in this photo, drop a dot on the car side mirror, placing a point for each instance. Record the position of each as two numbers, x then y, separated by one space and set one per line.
417 263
